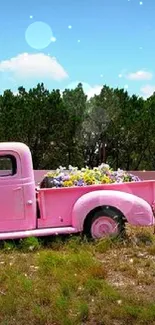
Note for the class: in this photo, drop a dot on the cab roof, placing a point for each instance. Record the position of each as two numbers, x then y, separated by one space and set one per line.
18 147
23 151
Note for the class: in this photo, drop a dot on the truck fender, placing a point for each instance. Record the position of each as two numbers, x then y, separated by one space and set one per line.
135 210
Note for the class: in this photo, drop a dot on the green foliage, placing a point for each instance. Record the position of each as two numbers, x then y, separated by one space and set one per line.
67 129
29 244
8 245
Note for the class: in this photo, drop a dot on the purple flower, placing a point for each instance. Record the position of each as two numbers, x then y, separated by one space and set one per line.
58 178
80 182
66 178
56 183
135 178
118 179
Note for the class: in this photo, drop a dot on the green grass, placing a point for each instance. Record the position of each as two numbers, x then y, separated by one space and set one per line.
69 281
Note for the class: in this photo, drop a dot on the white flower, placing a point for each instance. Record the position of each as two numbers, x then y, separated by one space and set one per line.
61 169
104 167
119 302
31 248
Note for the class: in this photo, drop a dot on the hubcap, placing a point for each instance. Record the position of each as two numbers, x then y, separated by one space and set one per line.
104 226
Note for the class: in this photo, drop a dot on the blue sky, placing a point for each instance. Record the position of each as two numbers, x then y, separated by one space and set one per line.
63 42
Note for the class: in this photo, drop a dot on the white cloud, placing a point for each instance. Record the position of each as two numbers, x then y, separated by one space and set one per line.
34 66
16 93
147 91
140 75
94 90
89 90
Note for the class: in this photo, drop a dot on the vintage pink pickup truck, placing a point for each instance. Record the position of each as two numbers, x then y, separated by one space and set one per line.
95 210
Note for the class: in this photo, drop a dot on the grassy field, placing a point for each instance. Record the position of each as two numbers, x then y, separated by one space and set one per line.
68 281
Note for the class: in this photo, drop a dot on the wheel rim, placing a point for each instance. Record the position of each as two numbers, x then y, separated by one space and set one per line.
104 226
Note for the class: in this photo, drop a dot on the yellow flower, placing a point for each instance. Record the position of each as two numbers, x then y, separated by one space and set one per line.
50 174
68 183
105 180
76 177
97 175
89 180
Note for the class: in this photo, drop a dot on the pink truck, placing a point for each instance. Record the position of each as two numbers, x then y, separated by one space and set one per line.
95 210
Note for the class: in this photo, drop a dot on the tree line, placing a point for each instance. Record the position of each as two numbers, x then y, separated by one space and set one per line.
68 129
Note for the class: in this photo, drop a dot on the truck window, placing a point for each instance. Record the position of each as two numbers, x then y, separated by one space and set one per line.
8 166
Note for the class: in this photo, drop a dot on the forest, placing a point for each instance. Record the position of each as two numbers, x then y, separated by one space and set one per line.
65 128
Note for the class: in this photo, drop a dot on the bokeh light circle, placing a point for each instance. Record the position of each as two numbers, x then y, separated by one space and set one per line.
38 35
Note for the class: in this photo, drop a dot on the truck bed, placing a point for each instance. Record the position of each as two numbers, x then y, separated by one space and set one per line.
56 203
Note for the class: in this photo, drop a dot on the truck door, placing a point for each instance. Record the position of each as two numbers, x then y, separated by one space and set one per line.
11 193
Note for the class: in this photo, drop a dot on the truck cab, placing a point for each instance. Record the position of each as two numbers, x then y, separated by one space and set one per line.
17 188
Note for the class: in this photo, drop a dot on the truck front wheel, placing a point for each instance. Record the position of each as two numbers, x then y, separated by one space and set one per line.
105 222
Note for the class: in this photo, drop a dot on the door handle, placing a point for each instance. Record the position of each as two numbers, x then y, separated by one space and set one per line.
17 188
29 202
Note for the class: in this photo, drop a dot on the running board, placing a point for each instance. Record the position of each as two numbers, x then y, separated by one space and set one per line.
37 233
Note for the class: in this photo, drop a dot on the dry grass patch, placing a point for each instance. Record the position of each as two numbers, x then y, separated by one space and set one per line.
73 282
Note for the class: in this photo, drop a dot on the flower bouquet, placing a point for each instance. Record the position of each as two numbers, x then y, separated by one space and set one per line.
85 176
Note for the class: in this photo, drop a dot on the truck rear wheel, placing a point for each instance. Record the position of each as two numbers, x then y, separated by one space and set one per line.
105 222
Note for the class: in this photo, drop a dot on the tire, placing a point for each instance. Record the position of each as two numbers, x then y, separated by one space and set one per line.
105 222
